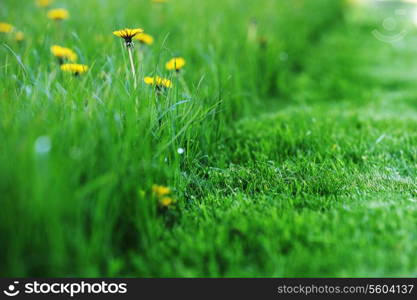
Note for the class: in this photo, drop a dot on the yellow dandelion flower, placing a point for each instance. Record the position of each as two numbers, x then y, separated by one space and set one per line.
166 201
163 82
176 64
58 14
160 190
5 27
75 69
19 36
162 193
159 82
144 38
63 53
128 34
44 3
149 80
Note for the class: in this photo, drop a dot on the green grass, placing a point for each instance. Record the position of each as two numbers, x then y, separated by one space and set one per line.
300 144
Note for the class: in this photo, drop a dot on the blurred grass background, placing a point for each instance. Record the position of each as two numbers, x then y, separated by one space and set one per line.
299 136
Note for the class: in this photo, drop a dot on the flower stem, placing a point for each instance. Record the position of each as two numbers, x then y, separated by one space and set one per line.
132 65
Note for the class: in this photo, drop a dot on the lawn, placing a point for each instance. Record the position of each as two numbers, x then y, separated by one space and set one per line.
285 147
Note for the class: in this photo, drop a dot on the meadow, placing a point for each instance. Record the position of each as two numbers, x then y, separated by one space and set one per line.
286 145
